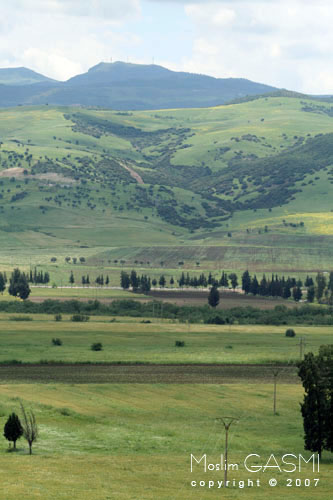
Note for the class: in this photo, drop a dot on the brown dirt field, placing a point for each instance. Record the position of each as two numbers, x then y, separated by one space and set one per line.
228 300
145 374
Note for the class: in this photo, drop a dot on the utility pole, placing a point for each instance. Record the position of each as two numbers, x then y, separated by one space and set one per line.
276 373
301 347
227 422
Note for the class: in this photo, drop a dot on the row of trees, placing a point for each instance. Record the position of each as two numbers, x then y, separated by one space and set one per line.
38 277
85 280
286 287
18 284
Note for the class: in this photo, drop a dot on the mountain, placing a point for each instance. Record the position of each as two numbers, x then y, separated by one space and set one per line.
21 76
125 86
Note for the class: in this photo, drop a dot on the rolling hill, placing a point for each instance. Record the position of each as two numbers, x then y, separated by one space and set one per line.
242 185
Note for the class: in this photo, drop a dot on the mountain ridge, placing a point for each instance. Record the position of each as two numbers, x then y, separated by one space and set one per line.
127 86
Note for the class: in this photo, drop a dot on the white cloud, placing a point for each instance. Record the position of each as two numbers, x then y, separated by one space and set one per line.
108 9
212 14
282 43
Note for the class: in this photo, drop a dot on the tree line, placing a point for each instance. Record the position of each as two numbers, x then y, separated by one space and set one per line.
320 288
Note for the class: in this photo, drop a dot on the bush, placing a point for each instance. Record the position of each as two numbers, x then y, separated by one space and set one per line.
215 320
290 333
20 318
57 317
56 341
80 317
97 346
180 343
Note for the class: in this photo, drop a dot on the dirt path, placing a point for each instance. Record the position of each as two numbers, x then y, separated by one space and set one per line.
133 173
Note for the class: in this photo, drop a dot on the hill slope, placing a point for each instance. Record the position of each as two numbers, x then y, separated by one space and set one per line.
21 76
228 185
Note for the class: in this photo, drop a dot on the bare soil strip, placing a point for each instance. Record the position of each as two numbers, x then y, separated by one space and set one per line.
145 374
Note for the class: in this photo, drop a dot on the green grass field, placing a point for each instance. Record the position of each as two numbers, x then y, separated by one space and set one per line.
129 340
133 441
110 220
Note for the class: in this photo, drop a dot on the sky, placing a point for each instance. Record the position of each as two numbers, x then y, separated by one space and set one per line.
284 43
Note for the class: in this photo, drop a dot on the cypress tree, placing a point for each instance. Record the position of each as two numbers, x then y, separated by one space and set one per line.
213 297
13 429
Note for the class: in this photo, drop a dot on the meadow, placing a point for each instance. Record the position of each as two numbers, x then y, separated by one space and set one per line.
130 340
134 441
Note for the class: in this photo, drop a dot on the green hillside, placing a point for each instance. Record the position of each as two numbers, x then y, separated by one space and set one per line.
243 185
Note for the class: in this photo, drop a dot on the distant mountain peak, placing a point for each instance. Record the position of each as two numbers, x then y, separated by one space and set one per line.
21 76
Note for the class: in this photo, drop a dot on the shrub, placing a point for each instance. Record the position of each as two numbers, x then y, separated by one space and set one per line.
180 343
80 317
56 341
97 346
20 318
290 333
57 317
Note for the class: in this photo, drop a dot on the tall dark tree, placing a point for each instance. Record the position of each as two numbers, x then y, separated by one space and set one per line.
254 286
311 294
2 283
13 429
213 297
316 373
321 285
233 280
71 278
18 285
134 281
246 281
162 281
297 293
124 280
330 282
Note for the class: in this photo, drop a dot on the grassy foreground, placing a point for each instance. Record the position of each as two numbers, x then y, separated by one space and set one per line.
131 340
133 441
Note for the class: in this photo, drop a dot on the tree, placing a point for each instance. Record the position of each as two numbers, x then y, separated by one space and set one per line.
162 281
18 285
29 426
13 429
316 373
246 281
2 283
124 280
71 278
297 293
234 280
311 294
254 286
213 296
321 285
